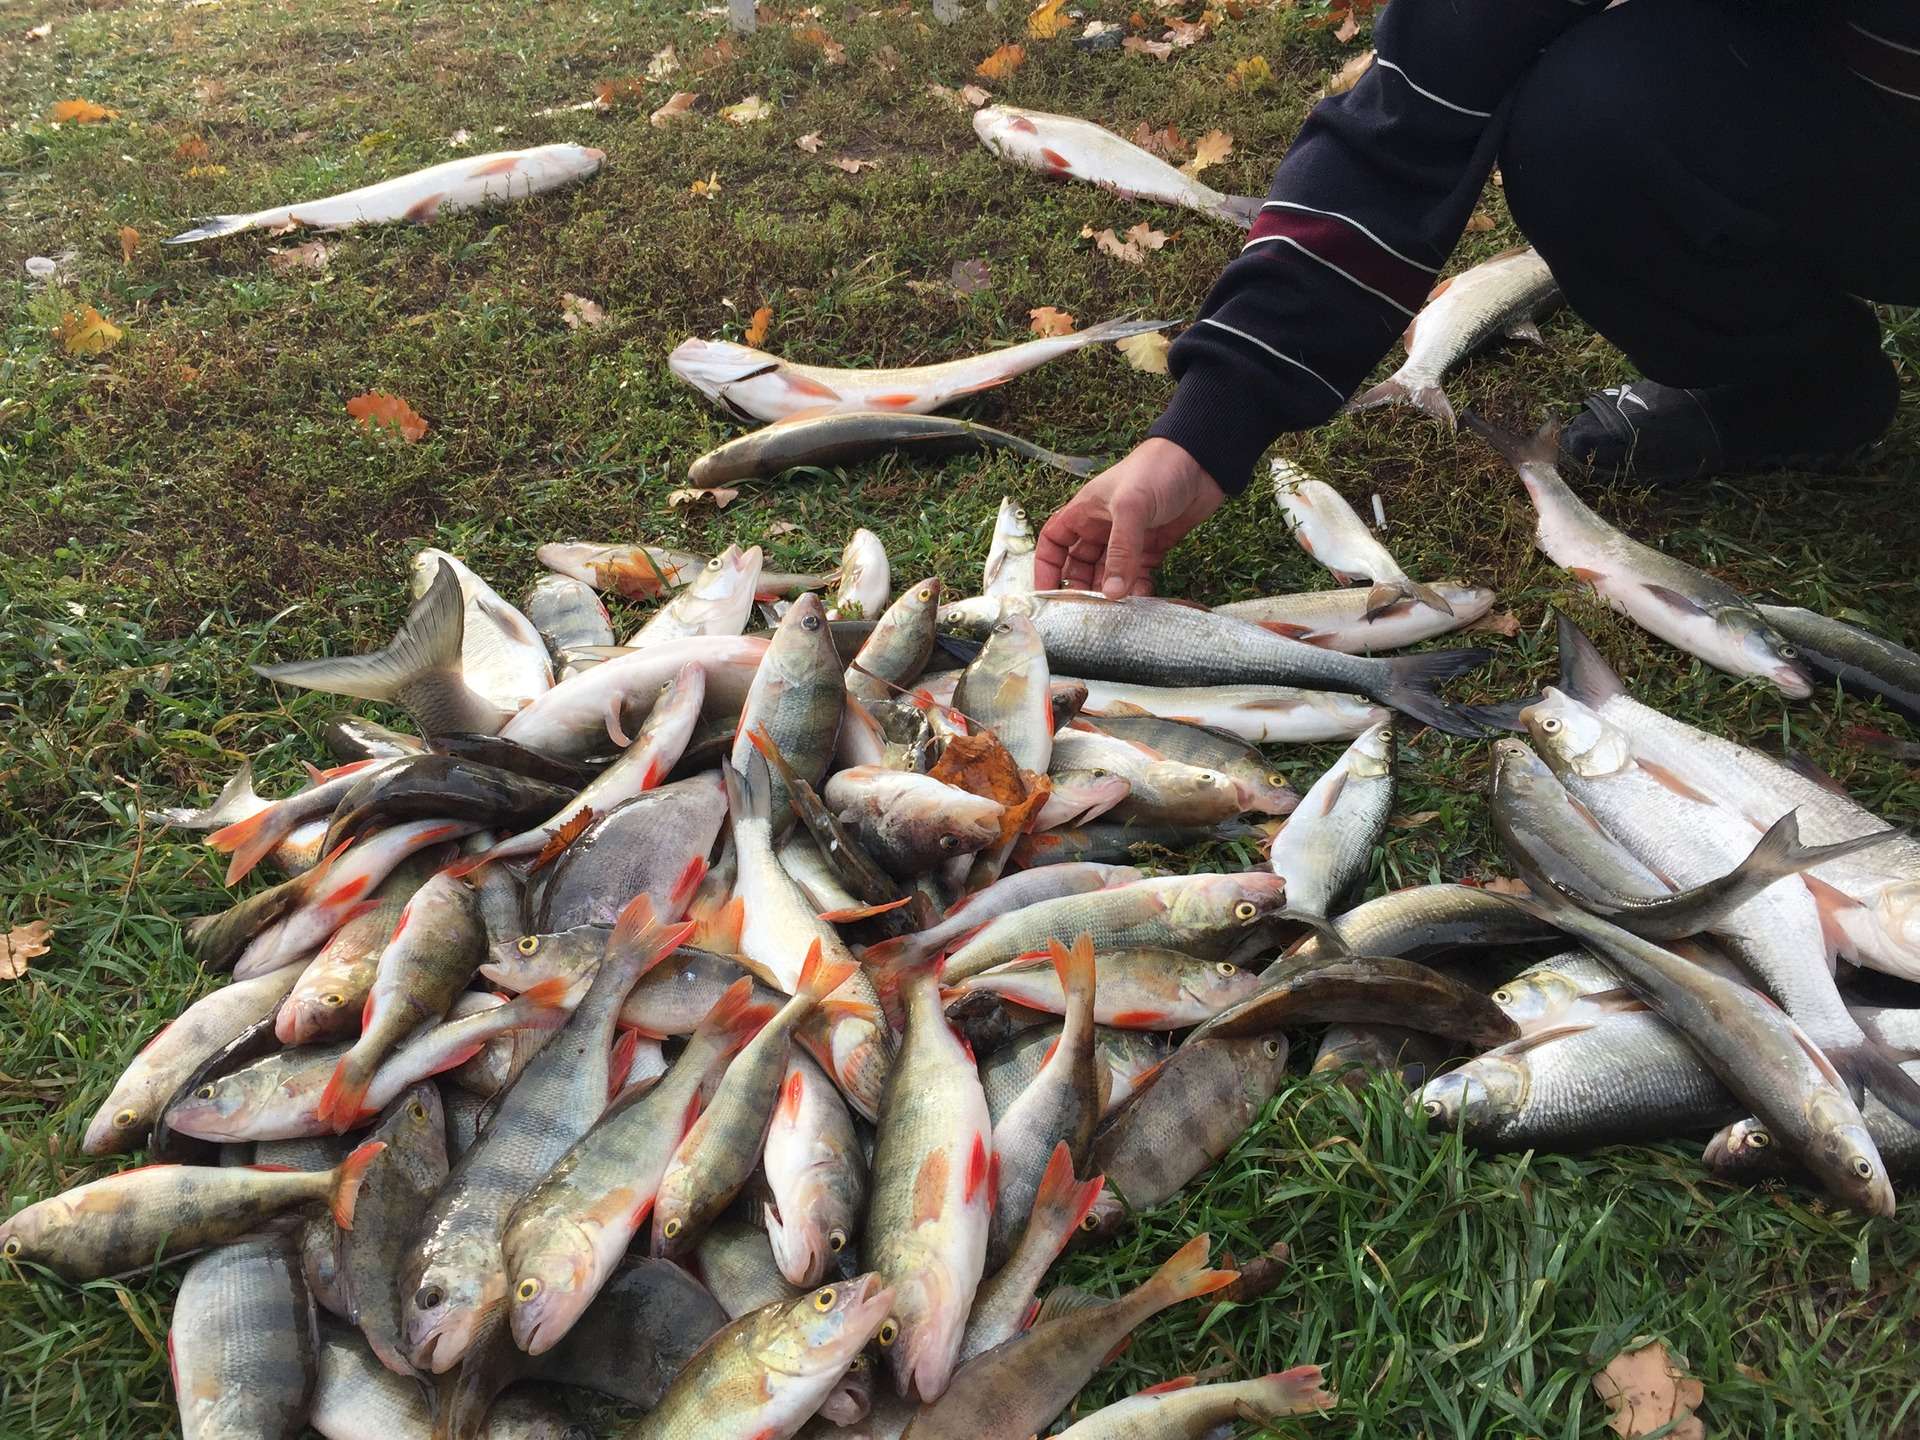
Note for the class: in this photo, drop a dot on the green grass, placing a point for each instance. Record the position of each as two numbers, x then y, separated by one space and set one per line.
198 500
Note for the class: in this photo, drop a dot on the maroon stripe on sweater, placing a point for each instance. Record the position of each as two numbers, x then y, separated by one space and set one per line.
1348 249
1885 65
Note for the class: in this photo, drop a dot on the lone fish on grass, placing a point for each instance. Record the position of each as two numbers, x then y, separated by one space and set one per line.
452 186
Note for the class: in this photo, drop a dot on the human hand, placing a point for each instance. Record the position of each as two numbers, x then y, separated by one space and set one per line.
1113 533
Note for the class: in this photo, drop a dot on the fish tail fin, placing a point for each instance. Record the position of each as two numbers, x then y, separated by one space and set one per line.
820 977
720 929
1780 852
685 885
1421 394
235 802
1108 330
427 643
345 1190
1540 448
211 227
1075 968
1412 683
542 1006
249 841
750 791
346 1093
1241 210
1869 1066
1185 1275
736 1017
639 938
1289 1392
891 966
1062 1202
1585 674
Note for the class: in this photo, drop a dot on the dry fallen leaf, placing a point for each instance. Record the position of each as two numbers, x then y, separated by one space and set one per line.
663 64
941 92
39 32
782 527
1158 49
80 112
720 498
21 944
1112 244
577 312
310 256
969 277
129 242
1048 321
1348 75
1645 1389
1415 820
757 327
376 410
851 165
747 111
1507 885
1479 222
1146 237
1209 150
1500 622
1049 20
1096 28
1184 33
1166 143
708 187
974 95
460 138
1002 62
192 151
1349 28
1146 352
88 333
1253 74
813 35
676 108
205 172
810 142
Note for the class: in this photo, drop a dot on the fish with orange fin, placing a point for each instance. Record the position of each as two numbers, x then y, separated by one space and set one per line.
1005 1301
447 188
1139 988
1184 1409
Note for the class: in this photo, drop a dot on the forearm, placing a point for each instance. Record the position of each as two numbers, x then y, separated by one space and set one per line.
1364 209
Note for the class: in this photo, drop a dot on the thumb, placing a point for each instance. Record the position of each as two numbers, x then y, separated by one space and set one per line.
1124 544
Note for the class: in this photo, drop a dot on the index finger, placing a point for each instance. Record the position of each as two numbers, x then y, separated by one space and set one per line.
1050 551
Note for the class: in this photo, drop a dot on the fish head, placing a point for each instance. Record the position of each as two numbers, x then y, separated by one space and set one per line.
710 366
1267 794
30 1235
320 1005
220 1109
975 616
1227 908
550 1281
1761 650
852 1399
1013 643
1517 771
524 961
824 1329
1370 757
1897 911
1843 1154
803 1245
1536 999
1745 1147
1194 795
1260 1061
1474 1097
446 1305
425 567
1080 796
122 1121
1573 739
1218 983
1007 131
1102 1221
1012 525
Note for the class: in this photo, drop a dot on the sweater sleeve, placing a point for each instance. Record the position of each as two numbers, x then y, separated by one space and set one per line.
1364 209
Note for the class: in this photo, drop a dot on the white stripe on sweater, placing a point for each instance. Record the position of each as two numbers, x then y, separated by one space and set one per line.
1257 341
1387 64
1289 240
1349 220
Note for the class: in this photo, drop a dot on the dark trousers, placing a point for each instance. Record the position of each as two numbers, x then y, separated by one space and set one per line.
1716 193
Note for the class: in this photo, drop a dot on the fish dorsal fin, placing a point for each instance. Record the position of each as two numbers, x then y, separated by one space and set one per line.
1584 672
1064 1300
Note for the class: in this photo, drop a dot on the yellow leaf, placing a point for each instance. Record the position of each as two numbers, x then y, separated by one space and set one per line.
1646 1390
205 172
376 410
88 333
578 312
310 256
708 187
1158 49
1048 20
1048 321
810 142
757 329
747 111
1348 75
609 93
1209 150
1002 62
80 112
21 944
129 242
720 498
1253 74
676 108
192 150
1146 352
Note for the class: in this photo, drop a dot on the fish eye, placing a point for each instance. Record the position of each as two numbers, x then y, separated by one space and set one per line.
714 563
888 1332
1550 725
1434 1109
812 622
1270 1048
1090 1222
125 1118
1759 1140
836 1240
1227 968
861 1364
671 1228
1098 774
528 1288
949 842
205 1092
431 1297
1787 652
1245 910
417 1110
528 944
11 1248
1018 513
333 999
924 593
1863 1167
823 1299
1274 777
1503 996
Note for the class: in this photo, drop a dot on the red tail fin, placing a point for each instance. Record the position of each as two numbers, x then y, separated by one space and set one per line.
820 977
1076 970
720 929
346 1182
1185 1275
637 929
250 840
736 1017
1062 1202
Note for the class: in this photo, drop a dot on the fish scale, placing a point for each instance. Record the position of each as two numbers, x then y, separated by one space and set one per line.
242 1344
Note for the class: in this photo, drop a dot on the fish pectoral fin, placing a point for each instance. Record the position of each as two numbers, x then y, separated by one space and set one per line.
425 208
1674 600
1527 330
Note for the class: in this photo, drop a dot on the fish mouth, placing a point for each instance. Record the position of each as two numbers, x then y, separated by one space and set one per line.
537 1333
872 1302
1792 681
598 157
1720 1150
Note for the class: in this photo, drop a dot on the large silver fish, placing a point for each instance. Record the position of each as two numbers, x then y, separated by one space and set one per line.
840 439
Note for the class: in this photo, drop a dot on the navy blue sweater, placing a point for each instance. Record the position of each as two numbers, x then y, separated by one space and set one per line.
1369 201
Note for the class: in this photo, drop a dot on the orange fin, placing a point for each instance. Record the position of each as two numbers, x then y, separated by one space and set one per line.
850 913
1167 1387
346 1182
624 1049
